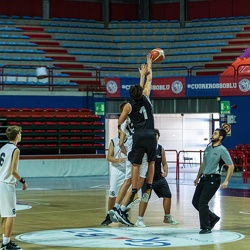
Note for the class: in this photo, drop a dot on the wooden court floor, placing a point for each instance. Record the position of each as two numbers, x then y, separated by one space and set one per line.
81 202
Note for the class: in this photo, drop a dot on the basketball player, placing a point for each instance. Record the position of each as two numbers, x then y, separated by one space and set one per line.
208 179
139 110
119 212
117 175
160 187
9 157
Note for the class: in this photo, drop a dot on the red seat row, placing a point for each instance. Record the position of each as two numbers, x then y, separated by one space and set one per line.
49 116
46 109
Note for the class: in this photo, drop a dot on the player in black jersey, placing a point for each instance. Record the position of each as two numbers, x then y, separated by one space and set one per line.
160 187
139 110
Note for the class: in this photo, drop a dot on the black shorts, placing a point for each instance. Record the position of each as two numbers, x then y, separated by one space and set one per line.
160 187
144 141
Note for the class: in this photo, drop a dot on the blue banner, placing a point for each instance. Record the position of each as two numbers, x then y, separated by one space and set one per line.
197 86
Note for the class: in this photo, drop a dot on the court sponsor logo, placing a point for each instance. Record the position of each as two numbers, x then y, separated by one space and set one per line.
128 237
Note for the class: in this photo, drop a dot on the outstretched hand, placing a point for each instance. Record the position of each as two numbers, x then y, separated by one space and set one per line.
143 70
149 61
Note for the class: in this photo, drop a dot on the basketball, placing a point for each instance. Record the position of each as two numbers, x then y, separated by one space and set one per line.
157 55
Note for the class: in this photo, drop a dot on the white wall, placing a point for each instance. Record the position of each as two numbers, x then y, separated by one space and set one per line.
188 132
63 167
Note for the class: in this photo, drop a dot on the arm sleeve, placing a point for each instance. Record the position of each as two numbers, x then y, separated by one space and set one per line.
226 157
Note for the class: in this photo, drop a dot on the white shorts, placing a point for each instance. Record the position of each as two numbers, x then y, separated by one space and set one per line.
7 200
116 180
142 171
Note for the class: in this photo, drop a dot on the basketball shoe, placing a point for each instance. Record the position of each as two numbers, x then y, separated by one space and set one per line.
107 221
112 215
169 219
123 217
10 246
140 223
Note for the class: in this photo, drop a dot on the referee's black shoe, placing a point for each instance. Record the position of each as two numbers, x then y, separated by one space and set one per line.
205 231
214 221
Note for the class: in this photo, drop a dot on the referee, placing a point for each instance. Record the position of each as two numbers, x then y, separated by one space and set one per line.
208 179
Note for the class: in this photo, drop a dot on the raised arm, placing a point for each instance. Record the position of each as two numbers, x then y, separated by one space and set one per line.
147 85
143 73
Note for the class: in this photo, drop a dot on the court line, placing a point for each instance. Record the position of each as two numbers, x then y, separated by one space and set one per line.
242 212
63 211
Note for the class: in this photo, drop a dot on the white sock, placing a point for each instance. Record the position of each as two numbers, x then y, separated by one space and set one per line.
140 218
168 215
117 205
6 240
123 208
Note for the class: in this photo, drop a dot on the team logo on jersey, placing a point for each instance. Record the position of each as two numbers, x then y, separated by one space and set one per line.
111 87
177 87
244 85
112 194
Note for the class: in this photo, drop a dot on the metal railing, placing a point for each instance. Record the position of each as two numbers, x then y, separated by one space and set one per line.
93 81
178 155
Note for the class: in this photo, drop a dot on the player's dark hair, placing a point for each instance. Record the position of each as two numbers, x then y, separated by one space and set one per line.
135 92
157 132
222 132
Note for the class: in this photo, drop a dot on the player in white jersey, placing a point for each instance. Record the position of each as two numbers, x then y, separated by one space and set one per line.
128 130
117 174
9 157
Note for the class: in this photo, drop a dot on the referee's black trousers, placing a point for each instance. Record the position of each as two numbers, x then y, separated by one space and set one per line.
204 192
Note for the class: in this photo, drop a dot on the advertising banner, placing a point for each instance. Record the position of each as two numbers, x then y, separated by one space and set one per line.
174 87
202 86
118 87
161 87
169 87
234 86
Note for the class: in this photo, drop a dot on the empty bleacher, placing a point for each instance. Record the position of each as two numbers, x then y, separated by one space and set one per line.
55 131
71 45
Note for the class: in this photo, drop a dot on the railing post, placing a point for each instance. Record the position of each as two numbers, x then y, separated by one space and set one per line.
177 166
